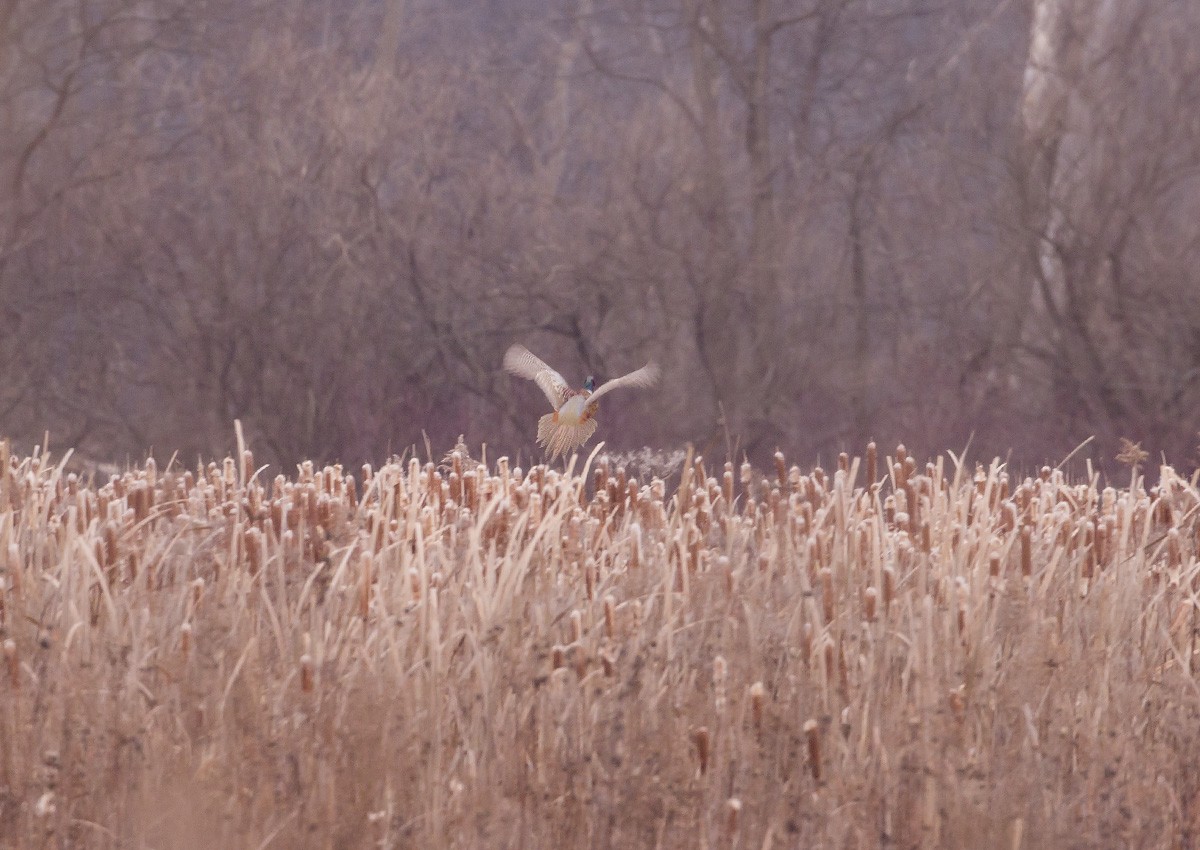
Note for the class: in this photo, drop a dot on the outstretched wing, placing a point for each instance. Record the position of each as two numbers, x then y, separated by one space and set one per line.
647 376
525 364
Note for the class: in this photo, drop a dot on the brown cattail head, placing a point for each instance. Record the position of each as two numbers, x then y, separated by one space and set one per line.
306 673
610 616
733 808
807 641
252 542
758 696
700 740
812 735
826 576
13 662
870 603
872 463
185 640
247 465
720 675
558 656
591 574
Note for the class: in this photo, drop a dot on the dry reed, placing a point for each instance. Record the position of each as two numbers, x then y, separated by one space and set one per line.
463 655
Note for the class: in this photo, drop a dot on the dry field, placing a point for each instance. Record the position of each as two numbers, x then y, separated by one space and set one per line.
888 654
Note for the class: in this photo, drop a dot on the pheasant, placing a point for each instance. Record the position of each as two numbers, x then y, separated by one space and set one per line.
574 418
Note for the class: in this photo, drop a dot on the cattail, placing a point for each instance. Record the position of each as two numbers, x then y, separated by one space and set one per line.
889 586
185 640
733 807
580 656
958 704
780 468
252 541
610 616
994 564
758 695
720 671
306 673
590 576
247 465
826 576
635 546
1162 512
814 748
700 741
870 601
558 656
576 626
608 661
1008 516
13 662
872 463
807 642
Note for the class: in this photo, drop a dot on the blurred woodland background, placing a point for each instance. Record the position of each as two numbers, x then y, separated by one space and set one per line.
829 220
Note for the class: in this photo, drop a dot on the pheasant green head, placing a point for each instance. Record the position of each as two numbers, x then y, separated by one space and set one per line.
590 384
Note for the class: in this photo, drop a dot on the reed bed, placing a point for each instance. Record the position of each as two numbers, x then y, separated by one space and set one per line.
891 653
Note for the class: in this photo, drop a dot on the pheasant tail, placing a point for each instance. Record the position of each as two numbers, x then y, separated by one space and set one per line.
559 438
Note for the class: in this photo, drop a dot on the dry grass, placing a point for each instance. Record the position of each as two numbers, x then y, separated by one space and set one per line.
459 656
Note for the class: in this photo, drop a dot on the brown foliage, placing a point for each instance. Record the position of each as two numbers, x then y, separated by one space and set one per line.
328 661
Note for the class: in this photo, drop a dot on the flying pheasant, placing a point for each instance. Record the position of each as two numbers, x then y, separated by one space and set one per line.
574 418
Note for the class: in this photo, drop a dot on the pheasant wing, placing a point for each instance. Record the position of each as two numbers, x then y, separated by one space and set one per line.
647 376
525 364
